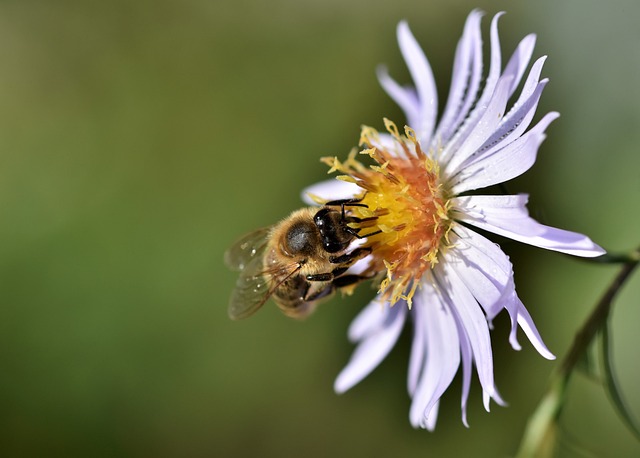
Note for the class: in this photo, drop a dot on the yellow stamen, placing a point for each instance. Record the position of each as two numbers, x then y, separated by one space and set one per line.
411 206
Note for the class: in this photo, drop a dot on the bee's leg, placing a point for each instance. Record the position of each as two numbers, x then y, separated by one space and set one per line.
355 219
339 282
350 258
320 277
348 280
345 261
345 203
356 233
313 294
328 276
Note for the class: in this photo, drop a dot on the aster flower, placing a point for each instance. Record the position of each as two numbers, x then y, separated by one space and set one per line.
438 273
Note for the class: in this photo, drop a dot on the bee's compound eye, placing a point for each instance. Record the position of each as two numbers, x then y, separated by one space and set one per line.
301 239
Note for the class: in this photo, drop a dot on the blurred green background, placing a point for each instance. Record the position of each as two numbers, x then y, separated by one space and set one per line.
139 139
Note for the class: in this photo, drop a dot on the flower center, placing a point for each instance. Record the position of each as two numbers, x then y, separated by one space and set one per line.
405 201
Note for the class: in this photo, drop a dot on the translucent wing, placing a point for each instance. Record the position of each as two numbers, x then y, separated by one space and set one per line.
251 292
245 250
255 286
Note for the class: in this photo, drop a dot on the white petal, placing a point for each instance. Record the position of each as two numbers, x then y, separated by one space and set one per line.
474 124
467 311
331 190
488 274
528 87
485 125
373 349
363 264
483 250
520 59
442 354
423 78
494 207
417 357
507 163
513 124
492 286
496 53
369 321
510 129
430 421
498 214
454 133
467 367
526 323
405 98
465 82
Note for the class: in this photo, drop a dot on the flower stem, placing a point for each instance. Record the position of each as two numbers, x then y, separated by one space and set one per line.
540 434
598 317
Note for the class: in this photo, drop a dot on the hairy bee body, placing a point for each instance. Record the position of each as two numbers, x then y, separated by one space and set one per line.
297 263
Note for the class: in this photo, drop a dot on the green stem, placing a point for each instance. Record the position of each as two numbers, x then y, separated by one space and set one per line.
539 436
598 317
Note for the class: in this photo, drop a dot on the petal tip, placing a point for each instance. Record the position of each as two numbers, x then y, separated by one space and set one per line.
597 251
340 386
403 29
497 16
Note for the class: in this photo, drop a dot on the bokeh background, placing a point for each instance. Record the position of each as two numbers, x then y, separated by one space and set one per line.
139 139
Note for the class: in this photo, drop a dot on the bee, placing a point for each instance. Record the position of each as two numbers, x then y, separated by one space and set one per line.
299 261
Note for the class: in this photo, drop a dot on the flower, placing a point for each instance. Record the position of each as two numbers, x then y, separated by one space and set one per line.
438 273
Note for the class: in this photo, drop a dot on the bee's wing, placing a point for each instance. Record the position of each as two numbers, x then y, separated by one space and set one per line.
245 250
255 286
251 292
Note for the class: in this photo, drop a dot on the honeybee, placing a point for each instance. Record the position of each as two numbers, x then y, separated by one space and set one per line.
297 262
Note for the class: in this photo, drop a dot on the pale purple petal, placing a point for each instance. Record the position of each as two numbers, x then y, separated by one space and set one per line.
496 54
369 321
361 265
520 59
528 88
432 418
517 111
423 79
418 349
507 163
465 308
373 349
442 354
480 124
405 98
465 81
475 123
492 264
510 129
483 127
494 207
488 275
526 323
331 190
506 216
467 368
483 267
